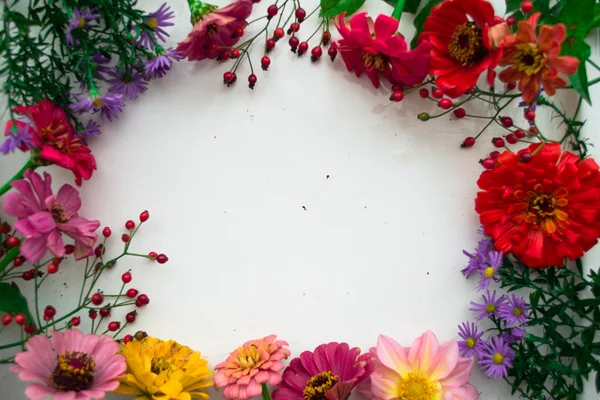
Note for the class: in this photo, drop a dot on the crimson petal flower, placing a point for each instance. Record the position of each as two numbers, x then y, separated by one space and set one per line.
543 211
330 372
379 50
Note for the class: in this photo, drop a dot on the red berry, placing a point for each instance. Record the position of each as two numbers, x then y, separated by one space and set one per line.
131 293
437 94
469 142
272 10
316 53
229 78
105 312
152 255
512 138
445 104
75 321
126 277
7 319
235 53
526 7
270 44
20 260
265 62
511 21
326 37
29 329
223 55
511 85
507 122
69 249
293 42
57 260
397 95
161 258
300 14
106 232
99 250
49 312
239 32
294 27
533 130
129 225
488 163
424 93
13 241
142 299
530 115
5 228
97 298
127 339
252 81
125 238
525 157
27 275
519 133
332 52
498 142
144 216
20 319
130 317
93 314
114 326
302 48
279 33
494 154
460 113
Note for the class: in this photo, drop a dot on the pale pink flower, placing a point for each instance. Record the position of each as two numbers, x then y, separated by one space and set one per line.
70 366
249 366
44 217
426 370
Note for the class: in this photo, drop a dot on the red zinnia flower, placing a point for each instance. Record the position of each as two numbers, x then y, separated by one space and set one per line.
543 211
55 137
463 43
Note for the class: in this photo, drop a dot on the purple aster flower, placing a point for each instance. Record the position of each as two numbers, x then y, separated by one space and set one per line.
514 311
91 129
489 307
153 25
514 335
128 83
79 20
158 66
19 138
488 273
478 260
99 69
109 105
470 344
496 357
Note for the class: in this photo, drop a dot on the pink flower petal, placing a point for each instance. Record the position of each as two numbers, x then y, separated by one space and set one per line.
68 198
460 375
282 393
37 391
422 352
444 362
33 249
393 356
253 389
36 225
384 388
385 26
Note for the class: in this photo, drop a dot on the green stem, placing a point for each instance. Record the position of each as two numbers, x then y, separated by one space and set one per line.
397 13
8 258
29 164
265 392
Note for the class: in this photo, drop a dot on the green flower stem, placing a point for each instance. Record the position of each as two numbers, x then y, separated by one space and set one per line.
29 164
265 392
397 13
8 258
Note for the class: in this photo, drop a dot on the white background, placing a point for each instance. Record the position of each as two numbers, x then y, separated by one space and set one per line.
225 173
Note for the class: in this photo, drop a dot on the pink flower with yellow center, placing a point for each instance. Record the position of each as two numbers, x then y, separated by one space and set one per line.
254 363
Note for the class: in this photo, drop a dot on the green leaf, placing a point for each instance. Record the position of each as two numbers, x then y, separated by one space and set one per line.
12 301
410 7
579 48
332 8
577 17
420 18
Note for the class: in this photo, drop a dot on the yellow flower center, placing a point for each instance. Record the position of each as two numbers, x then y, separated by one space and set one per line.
466 45
517 312
542 209
74 372
81 23
470 342
490 308
489 272
528 58
498 358
416 387
374 61
158 365
58 213
318 385
152 23
248 358
98 102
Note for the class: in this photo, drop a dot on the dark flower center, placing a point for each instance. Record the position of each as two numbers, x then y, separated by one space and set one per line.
318 385
375 61
543 209
212 29
528 58
159 365
58 213
466 45
74 372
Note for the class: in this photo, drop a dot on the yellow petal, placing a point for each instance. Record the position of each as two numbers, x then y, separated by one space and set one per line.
172 388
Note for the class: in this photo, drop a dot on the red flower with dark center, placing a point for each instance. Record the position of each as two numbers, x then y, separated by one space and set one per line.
542 211
464 38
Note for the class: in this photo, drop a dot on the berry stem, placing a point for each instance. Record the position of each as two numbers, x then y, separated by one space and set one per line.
35 295
120 330
8 258
19 175
397 13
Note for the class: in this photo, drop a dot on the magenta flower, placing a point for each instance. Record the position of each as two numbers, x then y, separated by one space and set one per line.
44 217
331 372
70 366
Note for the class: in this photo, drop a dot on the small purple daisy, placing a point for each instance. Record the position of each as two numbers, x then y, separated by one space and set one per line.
514 311
158 66
514 335
489 272
489 307
495 358
91 129
17 139
153 25
79 20
478 260
109 105
128 83
470 345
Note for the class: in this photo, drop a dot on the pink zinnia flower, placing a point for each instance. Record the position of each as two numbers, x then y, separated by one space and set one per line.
70 366
379 50
43 217
331 372
251 365
214 28
426 370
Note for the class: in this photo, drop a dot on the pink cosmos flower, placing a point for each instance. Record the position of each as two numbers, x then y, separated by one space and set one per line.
251 365
70 366
214 28
43 217
331 372
426 370
379 50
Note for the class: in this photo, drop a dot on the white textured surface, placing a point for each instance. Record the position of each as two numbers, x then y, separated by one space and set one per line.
225 174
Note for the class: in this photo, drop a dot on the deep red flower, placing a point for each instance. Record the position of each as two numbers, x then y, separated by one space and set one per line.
54 136
542 211
379 50
464 36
